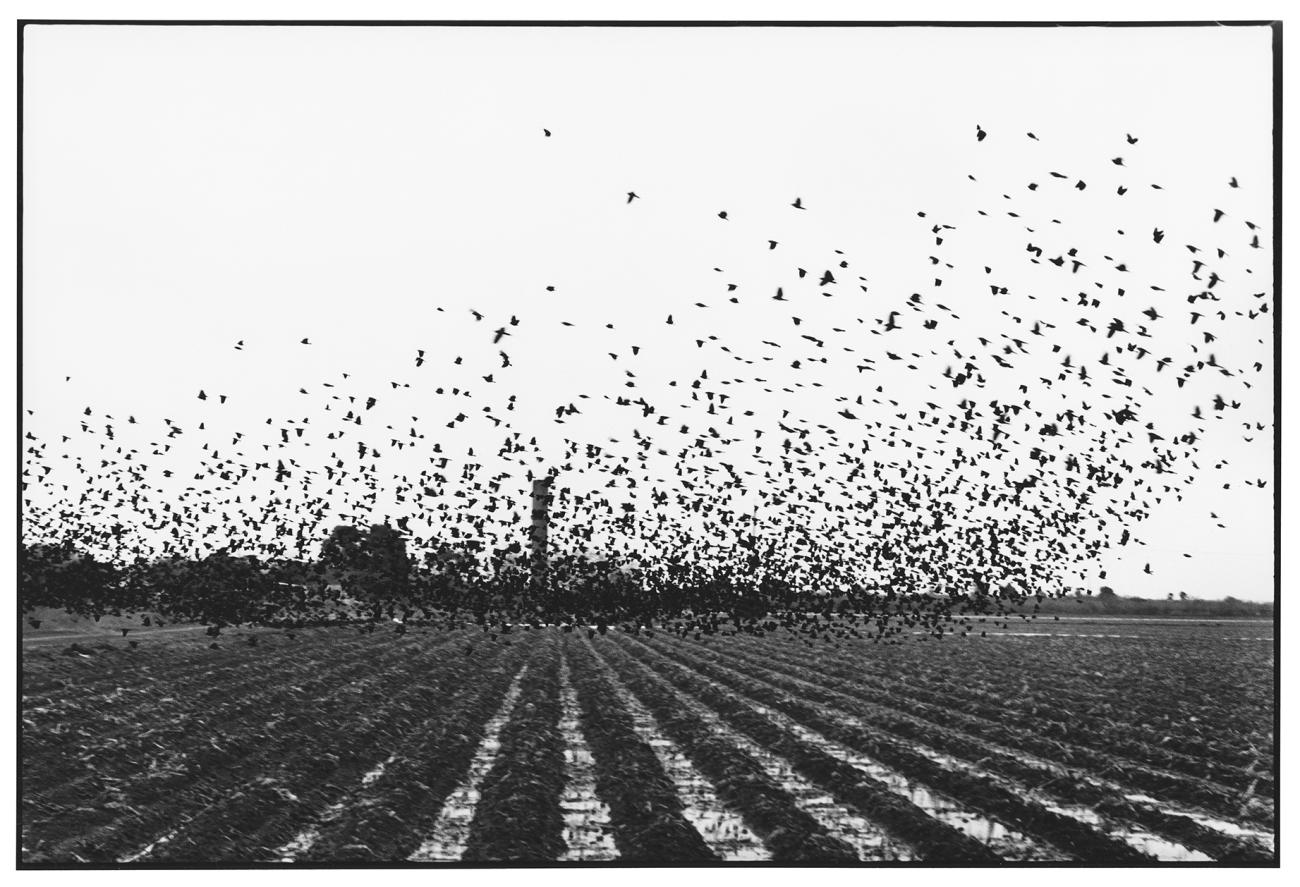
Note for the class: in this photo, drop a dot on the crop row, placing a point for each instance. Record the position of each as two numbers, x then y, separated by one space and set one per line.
113 738
98 686
979 791
1088 742
791 834
721 826
332 755
94 692
933 840
588 822
1059 723
298 744
518 816
646 812
53 676
387 819
361 751
325 763
1062 784
1121 683
1177 787
1076 711
133 781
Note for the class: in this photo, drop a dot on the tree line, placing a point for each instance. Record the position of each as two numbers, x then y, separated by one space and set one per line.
368 574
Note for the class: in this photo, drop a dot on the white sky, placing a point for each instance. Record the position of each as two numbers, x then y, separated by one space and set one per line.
188 188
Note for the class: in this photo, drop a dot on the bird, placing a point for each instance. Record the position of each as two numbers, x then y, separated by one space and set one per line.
632 195
729 441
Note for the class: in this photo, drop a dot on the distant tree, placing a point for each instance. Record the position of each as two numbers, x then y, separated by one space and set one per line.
372 566
61 576
343 549
220 589
41 584
443 558
385 550
1107 591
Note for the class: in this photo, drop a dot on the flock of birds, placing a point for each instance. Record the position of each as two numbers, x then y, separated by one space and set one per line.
751 481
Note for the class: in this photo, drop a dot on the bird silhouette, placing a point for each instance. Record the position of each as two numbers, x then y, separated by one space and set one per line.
1030 440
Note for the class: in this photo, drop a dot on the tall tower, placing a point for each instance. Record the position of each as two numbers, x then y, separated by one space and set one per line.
541 522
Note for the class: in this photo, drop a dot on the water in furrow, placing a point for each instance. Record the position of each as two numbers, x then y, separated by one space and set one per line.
723 829
446 840
870 841
586 816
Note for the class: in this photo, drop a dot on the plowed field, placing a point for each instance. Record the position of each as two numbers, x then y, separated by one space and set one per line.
1095 741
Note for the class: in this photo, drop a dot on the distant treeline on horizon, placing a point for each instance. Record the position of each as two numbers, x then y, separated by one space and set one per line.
1108 603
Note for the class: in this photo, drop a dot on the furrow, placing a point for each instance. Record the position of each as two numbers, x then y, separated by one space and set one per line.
828 828
527 778
1006 841
445 841
976 789
721 828
587 833
1167 829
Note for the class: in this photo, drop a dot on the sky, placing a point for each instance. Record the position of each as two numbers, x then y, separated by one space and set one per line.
187 189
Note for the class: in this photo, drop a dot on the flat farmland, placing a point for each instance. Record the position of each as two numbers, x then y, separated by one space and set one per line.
1097 740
